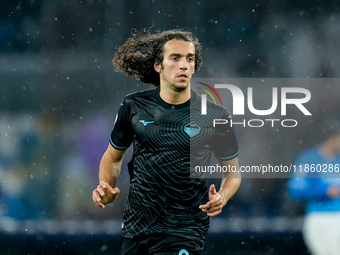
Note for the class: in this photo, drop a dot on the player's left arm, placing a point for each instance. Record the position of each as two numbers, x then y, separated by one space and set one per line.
231 181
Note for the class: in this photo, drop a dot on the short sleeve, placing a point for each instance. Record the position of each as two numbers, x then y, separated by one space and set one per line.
122 133
224 142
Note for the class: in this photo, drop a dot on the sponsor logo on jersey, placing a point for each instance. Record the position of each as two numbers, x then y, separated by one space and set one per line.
146 122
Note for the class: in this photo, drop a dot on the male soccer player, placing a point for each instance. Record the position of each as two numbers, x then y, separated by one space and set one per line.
168 209
317 182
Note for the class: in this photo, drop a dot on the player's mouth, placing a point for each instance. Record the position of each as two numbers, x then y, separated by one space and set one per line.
182 76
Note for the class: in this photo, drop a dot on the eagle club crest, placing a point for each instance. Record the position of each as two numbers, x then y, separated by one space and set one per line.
192 129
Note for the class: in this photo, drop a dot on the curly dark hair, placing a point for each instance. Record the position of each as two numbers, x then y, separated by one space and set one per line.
136 57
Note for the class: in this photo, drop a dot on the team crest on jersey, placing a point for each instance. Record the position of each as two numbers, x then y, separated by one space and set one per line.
192 129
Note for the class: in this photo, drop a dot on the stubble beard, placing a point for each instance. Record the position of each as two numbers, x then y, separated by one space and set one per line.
179 88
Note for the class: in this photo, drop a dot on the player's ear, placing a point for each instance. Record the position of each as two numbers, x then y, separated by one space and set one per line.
157 66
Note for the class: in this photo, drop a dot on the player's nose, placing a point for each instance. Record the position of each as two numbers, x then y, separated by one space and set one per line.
183 64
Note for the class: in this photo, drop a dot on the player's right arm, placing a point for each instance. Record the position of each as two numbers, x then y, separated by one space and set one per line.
109 171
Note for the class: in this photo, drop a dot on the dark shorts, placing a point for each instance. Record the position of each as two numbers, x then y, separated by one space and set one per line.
160 244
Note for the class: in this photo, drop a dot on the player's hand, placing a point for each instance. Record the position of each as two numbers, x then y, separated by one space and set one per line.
215 205
104 194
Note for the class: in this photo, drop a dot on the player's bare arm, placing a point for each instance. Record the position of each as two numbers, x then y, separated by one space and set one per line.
109 171
229 185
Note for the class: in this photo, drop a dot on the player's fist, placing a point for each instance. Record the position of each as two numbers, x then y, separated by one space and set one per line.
104 194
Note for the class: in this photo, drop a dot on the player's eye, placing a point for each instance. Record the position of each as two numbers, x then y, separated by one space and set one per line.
174 58
191 59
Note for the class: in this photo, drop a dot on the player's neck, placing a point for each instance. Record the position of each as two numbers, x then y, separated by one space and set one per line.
174 97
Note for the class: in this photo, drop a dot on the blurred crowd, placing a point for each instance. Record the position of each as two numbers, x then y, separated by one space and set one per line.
59 93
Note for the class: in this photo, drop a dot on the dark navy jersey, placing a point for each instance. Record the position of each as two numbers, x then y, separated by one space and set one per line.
168 142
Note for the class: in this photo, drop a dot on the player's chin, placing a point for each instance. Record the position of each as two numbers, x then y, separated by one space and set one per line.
180 86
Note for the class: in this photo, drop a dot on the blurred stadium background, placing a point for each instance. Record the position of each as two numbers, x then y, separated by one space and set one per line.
59 95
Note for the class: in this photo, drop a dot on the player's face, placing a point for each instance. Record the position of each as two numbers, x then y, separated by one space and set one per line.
178 64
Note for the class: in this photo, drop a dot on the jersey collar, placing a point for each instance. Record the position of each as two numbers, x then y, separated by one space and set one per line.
174 106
